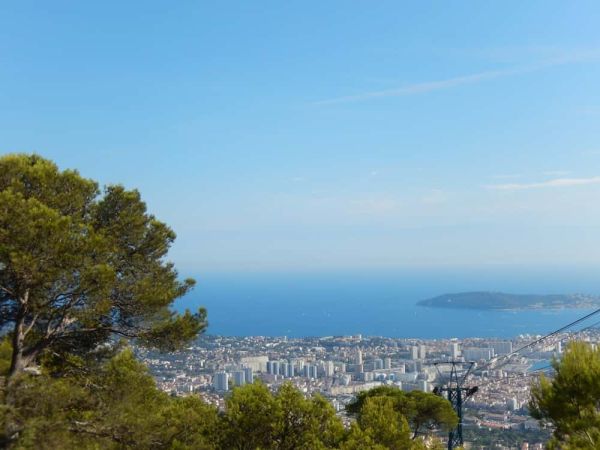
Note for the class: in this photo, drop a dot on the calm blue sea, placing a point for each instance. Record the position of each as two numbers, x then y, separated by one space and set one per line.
379 303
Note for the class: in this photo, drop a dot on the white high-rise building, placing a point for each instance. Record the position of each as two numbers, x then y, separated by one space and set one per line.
476 353
315 372
284 368
299 366
359 357
422 352
221 381
329 368
274 367
502 347
378 364
387 363
414 352
249 375
454 350
310 371
239 377
257 363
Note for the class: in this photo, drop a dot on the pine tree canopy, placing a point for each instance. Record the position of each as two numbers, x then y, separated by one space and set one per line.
423 411
570 402
80 266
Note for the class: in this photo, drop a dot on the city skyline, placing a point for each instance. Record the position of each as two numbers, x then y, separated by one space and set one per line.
340 367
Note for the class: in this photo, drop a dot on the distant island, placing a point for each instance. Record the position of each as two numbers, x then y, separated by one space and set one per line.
503 301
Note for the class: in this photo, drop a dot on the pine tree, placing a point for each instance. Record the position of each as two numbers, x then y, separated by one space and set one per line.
79 267
570 402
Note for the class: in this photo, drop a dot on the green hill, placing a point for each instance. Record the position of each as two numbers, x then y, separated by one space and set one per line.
500 300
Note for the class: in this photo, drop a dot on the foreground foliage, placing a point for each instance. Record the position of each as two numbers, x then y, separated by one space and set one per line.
417 411
255 418
113 403
571 401
78 267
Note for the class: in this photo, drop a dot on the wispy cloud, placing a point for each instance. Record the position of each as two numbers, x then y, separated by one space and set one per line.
558 182
429 86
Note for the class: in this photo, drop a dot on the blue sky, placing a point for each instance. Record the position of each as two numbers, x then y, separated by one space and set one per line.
324 135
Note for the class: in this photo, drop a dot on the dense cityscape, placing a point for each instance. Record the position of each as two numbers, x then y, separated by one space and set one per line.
317 225
338 367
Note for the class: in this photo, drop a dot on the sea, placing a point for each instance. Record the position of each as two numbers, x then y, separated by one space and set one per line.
382 302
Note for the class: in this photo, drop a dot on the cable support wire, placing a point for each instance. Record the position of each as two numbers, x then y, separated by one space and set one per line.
455 437
530 373
536 372
543 338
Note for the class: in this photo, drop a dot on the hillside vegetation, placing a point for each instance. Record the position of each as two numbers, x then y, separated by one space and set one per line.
501 301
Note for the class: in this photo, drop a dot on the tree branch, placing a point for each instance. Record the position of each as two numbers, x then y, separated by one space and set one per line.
104 434
30 326
25 299
8 291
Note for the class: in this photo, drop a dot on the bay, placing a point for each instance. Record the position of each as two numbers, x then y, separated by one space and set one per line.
380 303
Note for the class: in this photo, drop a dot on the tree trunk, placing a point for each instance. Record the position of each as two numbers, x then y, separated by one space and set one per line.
17 363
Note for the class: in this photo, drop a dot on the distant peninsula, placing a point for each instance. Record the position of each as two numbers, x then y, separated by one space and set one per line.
503 301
